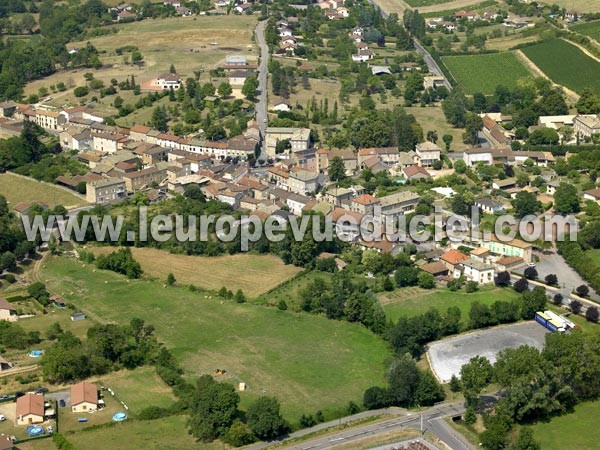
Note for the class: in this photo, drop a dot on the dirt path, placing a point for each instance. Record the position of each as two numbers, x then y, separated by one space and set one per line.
583 49
571 95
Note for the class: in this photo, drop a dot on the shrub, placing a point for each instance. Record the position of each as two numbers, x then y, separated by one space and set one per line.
521 285
592 315
530 273
81 91
557 299
575 306
551 279
153 413
582 290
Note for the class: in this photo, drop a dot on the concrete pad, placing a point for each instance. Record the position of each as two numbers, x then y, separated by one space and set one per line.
449 355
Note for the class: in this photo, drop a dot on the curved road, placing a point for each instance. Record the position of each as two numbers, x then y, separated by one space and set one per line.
431 420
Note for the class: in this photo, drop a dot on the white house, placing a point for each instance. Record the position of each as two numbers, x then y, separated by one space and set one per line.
427 153
169 80
478 271
474 156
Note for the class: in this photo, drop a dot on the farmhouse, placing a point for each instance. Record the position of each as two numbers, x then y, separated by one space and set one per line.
7 311
437 269
169 80
84 397
475 270
23 208
30 409
586 126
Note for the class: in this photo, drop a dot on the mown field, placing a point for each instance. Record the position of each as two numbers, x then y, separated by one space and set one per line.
17 189
483 73
576 430
308 362
409 302
581 6
565 64
253 274
591 29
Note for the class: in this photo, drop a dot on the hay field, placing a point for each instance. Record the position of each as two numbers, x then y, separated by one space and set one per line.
17 189
253 274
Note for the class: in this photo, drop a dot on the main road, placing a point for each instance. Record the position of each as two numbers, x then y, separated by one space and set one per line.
430 420
261 104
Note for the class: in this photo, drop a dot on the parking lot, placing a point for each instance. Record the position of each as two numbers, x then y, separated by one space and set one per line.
449 355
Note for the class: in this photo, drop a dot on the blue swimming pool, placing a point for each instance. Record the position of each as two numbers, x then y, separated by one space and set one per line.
35 430
36 353
119 416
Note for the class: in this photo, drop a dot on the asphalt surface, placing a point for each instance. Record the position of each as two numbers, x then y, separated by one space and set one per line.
449 355
431 63
430 420
261 104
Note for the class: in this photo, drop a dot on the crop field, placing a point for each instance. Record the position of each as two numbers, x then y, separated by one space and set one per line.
483 73
189 43
581 6
307 361
253 274
578 429
17 189
409 302
419 3
448 9
591 29
565 64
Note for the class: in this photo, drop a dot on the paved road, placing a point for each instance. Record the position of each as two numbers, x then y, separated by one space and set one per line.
431 63
261 104
430 420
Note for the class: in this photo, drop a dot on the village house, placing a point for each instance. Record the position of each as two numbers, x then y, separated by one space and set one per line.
592 195
105 190
508 263
169 80
362 56
337 196
30 409
427 153
296 203
398 204
514 247
364 204
506 184
586 126
23 208
437 268
469 15
7 311
76 138
238 77
303 181
489 205
84 397
139 179
49 120
299 138
453 259
474 270
325 157
387 155
415 173
474 156
108 142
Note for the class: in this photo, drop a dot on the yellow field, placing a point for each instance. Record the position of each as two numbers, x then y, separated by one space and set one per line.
253 274
185 42
581 6
17 189
432 118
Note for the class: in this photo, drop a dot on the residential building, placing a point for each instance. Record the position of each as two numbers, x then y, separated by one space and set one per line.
398 204
474 156
105 190
364 204
303 181
437 268
586 126
169 81
427 153
478 271
415 173
325 157
84 397
489 205
453 259
108 142
30 409
337 196
592 194
49 120
143 178
7 311
507 183
296 203
238 77
514 247
299 138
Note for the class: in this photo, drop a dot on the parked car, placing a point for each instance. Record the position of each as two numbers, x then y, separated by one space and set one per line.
41 390
2 417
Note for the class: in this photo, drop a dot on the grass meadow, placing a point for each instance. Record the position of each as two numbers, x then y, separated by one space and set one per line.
308 362
576 70
17 189
482 73
253 274
591 29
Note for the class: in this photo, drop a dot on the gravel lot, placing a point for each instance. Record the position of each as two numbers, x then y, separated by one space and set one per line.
448 356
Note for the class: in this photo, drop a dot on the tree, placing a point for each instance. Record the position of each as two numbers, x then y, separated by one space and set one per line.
239 296
575 306
54 331
239 434
447 138
8 261
159 119
224 89
194 192
264 418
530 273
426 280
406 276
471 287
470 417
526 441
582 290
213 407
551 279
544 136
460 166
588 103
473 125
557 299
170 279
455 384
403 380
81 91
474 376
502 279
337 170
249 88
591 314
566 199
282 305
376 397
525 204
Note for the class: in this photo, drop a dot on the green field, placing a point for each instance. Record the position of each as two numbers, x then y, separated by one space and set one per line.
483 73
565 64
290 292
406 302
591 29
307 361
576 430
418 3
594 254
17 189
